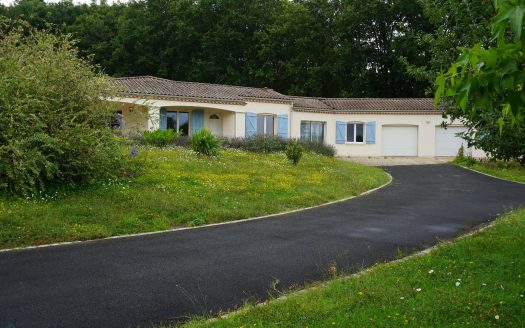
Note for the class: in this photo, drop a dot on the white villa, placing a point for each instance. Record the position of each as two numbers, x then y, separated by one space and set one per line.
355 126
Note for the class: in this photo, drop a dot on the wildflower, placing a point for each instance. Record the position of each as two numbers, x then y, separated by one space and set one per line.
402 298
418 289
496 317
431 271
458 283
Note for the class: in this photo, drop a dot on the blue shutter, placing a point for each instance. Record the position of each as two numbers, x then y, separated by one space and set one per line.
340 132
251 124
282 126
197 120
163 119
371 133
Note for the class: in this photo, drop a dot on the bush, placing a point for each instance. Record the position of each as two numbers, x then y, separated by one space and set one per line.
270 144
319 148
160 138
294 151
54 124
204 142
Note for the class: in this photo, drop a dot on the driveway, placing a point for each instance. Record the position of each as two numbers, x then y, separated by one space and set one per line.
392 161
167 277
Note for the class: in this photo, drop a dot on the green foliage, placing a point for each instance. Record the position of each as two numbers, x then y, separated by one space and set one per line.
54 125
294 152
484 87
257 143
271 144
489 79
204 142
160 138
310 47
320 148
461 153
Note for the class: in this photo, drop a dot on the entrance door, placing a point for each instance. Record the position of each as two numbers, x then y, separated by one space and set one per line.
215 125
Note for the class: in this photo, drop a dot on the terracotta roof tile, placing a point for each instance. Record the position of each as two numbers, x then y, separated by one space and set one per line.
154 86
380 104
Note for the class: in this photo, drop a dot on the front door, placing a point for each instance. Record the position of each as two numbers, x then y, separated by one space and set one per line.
215 125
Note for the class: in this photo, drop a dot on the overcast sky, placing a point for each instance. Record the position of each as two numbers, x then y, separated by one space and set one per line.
8 2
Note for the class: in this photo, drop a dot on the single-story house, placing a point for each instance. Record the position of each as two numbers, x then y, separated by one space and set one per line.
355 126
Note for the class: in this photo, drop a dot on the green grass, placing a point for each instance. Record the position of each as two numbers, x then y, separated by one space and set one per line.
509 171
477 281
179 188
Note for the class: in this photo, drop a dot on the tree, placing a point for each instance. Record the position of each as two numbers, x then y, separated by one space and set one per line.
484 87
54 123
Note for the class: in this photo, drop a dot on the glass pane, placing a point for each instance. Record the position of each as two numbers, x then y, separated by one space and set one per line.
305 131
350 132
269 125
359 133
171 118
317 132
260 124
184 123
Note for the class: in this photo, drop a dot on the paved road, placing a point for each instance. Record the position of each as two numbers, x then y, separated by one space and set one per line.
141 280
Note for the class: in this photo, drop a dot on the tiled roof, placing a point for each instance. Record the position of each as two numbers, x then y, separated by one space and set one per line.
154 86
151 86
310 103
363 104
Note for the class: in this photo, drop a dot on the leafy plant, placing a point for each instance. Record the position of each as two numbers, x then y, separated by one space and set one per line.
294 152
271 144
54 125
160 138
204 142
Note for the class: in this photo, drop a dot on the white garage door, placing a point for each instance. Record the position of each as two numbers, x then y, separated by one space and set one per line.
447 143
399 141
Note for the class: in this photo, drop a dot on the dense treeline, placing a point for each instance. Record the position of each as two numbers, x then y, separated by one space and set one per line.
353 48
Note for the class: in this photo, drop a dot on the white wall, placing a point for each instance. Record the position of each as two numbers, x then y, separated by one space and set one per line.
426 124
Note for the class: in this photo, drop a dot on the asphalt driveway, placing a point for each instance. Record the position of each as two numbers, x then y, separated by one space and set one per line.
158 278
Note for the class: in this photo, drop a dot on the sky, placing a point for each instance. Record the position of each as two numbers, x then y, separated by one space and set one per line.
8 2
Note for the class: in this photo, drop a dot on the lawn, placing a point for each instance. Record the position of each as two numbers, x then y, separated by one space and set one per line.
179 188
477 281
510 170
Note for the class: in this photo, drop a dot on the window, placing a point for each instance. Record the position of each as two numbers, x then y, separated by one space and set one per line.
312 131
265 125
355 132
178 121
118 121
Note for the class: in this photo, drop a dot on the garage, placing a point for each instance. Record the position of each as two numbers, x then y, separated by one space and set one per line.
447 141
399 141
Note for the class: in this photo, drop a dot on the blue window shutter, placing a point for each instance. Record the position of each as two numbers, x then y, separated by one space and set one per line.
163 119
251 124
282 126
371 133
197 120
340 132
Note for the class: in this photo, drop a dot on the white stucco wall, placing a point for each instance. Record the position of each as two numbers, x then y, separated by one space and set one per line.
426 124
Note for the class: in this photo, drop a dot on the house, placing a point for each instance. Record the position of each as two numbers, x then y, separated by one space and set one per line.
355 126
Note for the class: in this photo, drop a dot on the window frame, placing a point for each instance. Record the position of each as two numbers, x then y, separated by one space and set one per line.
354 142
323 125
177 117
265 126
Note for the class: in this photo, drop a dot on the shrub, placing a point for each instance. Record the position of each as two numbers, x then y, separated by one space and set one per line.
294 151
204 142
461 153
54 124
160 138
270 144
319 148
